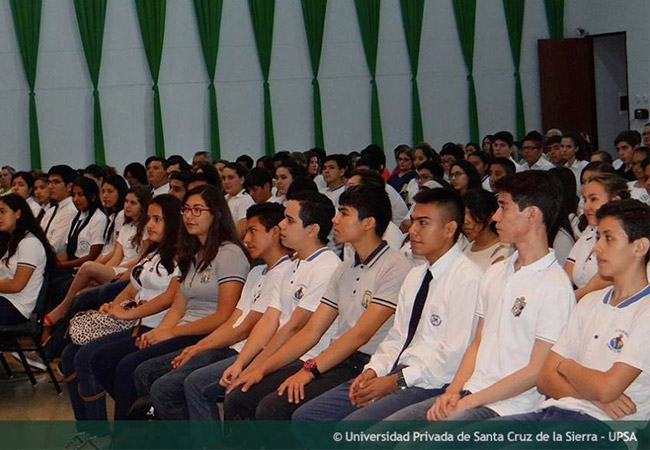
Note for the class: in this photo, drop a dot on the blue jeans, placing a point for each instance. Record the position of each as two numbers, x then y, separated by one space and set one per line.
418 411
165 385
202 390
87 394
335 404
116 374
551 413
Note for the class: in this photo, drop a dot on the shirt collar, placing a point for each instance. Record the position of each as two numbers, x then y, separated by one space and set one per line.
373 256
277 263
65 202
627 302
541 264
439 267
342 185
316 254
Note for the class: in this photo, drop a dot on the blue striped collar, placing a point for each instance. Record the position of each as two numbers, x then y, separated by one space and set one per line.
635 298
316 254
277 263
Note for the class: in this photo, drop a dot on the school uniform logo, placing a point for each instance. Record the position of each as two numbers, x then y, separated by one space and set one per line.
616 343
365 301
84 246
205 276
518 307
299 294
435 320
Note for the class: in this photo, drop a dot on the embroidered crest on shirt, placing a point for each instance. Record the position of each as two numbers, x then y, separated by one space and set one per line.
616 343
435 320
205 276
365 301
299 294
518 307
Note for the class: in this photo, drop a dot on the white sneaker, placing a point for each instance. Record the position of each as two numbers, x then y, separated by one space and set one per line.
33 360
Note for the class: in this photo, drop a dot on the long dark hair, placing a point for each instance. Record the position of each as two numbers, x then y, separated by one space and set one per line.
474 179
120 186
144 198
26 223
166 248
221 230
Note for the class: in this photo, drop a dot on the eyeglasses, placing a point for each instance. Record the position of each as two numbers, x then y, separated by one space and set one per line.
456 174
196 211
54 181
404 159
529 148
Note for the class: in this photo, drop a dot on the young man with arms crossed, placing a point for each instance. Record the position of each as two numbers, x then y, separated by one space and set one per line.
523 304
163 377
433 324
307 222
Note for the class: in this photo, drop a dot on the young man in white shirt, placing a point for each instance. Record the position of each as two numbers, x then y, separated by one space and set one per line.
306 225
523 304
258 184
156 175
599 368
334 167
57 220
433 325
531 152
354 314
164 377
503 146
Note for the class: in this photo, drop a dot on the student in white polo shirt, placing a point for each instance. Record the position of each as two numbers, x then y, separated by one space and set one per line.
599 367
164 377
523 304
334 167
354 314
532 148
156 175
232 179
306 225
433 324
57 220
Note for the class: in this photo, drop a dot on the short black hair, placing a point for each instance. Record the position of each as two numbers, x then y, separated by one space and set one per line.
369 201
368 177
137 171
67 173
447 199
339 159
237 168
436 169
183 176
301 184
96 171
633 215
631 137
203 176
644 150
535 188
282 156
26 176
208 170
269 214
245 161
453 150
295 169
257 176
316 208
178 159
507 165
151 159
504 136
375 152
555 139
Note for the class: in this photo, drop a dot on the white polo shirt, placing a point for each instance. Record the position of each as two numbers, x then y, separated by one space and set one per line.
30 253
397 204
150 279
585 264
91 234
334 194
320 182
164 189
125 238
393 237
540 164
639 193
599 335
282 199
445 329
261 288
355 285
59 220
239 204
304 286
518 308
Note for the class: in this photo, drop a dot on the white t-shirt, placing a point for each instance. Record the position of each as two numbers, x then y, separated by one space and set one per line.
517 309
150 279
261 288
599 335
30 253
585 264
239 204
304 286
91 234
56 224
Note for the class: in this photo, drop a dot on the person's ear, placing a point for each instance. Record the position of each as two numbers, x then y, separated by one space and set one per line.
450 229
18 213
368 223
641 247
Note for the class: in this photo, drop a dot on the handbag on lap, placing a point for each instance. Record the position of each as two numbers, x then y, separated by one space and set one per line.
87 326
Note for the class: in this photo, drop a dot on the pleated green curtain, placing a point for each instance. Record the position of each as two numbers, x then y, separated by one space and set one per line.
514 10
91 17
151 17
412 13
262 13
27 22
368 17
208 19
465 14
555 18
313 14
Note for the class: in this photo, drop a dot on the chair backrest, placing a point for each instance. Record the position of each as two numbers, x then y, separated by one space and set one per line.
39 310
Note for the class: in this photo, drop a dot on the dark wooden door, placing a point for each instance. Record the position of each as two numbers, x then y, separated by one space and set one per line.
567 87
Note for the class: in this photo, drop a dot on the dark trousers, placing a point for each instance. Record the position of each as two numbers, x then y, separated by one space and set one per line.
9 315
91 299
58 287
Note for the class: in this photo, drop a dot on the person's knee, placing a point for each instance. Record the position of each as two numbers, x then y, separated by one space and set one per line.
269 407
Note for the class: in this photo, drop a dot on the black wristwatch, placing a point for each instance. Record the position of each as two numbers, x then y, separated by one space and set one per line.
401 381
310 365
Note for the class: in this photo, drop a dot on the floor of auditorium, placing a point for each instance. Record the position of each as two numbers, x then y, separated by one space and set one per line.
20 401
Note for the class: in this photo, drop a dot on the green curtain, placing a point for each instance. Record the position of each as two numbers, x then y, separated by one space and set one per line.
514 10
555 18
465 14
27 22
313 14
262 12
412 13
91 17
368 16
208 18
151 16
